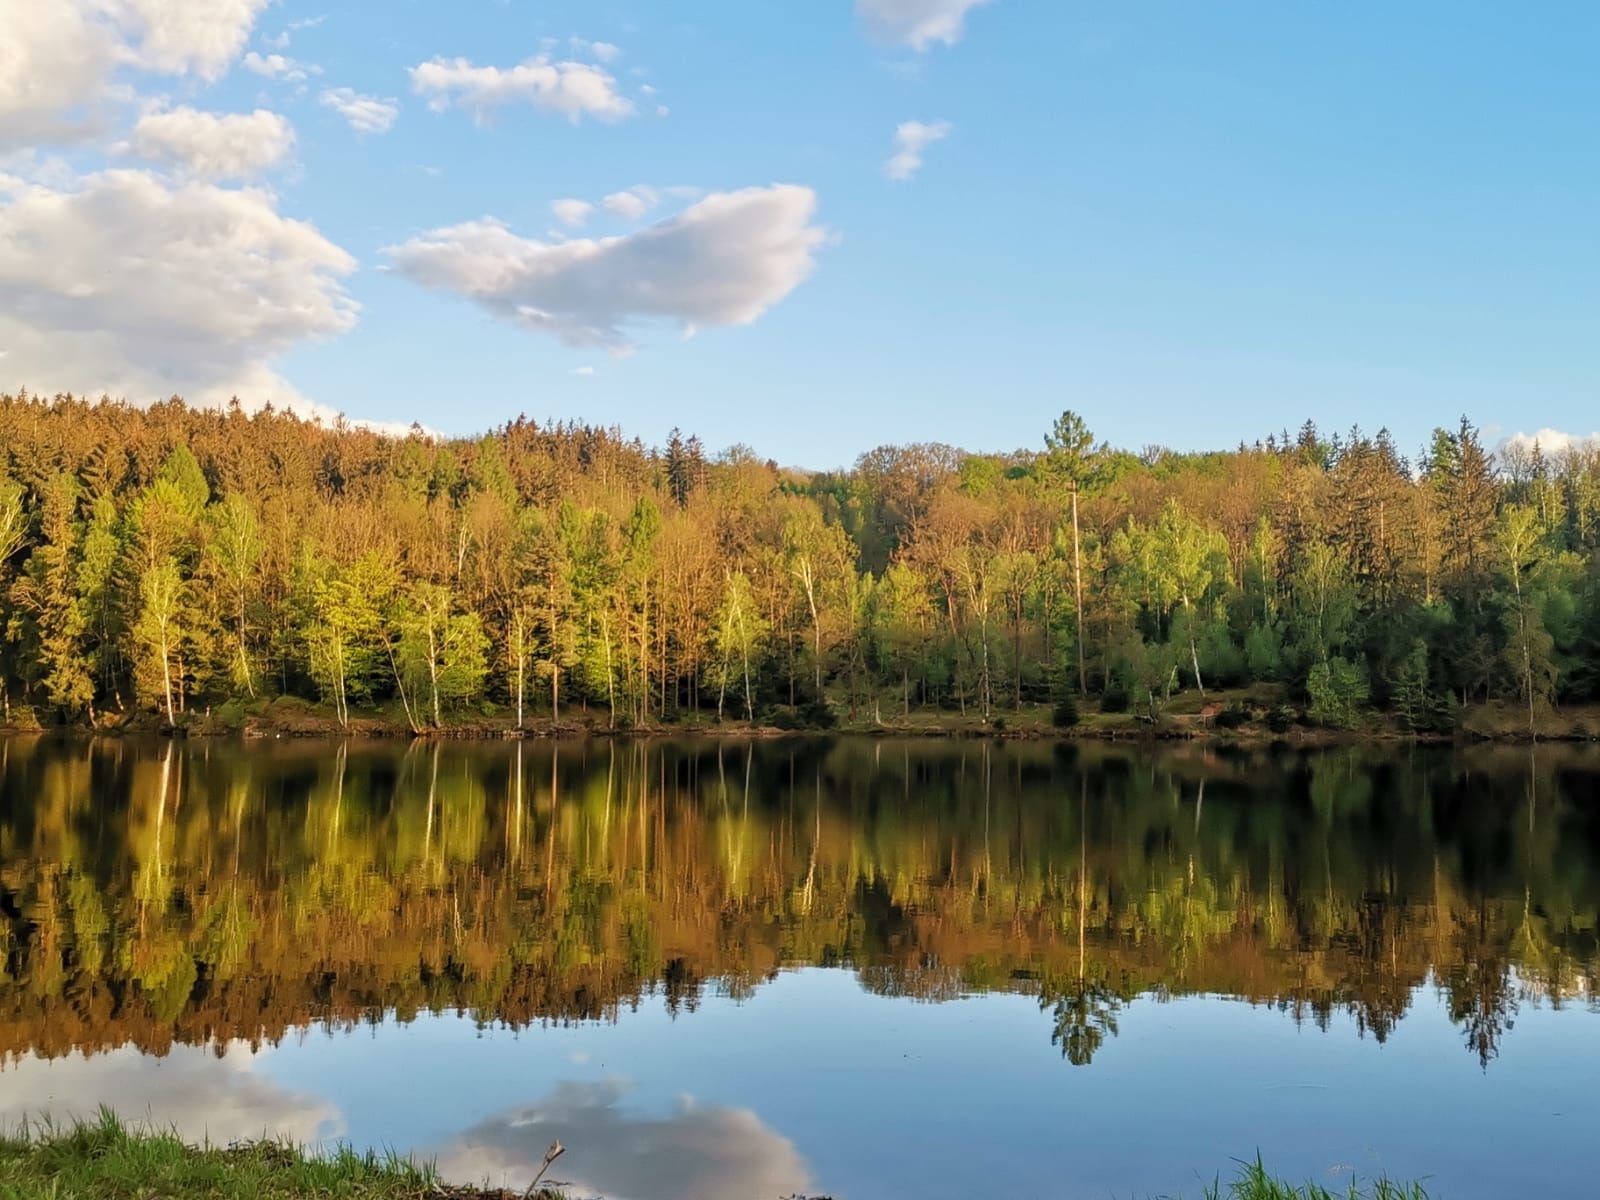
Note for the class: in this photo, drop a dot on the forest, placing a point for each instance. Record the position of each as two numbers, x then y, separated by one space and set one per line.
170 561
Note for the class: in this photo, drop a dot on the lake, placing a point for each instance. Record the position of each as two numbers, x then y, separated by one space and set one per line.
729 970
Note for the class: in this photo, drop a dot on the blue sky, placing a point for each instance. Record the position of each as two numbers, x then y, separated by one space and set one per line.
1194 224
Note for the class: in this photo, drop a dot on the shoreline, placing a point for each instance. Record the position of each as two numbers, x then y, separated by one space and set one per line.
306 723
115 1161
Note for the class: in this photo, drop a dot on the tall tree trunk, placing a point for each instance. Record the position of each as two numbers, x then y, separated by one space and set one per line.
244 659
1077 592
611 675
433 672
519 642
166 674
1194 653
400 687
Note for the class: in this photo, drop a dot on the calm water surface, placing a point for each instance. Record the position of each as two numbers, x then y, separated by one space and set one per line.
730 971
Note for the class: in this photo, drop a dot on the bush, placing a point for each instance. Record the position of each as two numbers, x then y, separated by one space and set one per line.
1419 707
1233 716
1280 718
1338 689
1065 713
1114 699
817 715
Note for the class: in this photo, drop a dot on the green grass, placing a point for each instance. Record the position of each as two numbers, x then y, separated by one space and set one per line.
1253 1183
105 1160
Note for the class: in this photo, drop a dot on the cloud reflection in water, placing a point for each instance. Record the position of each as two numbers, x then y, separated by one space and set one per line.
193 1089
703 1153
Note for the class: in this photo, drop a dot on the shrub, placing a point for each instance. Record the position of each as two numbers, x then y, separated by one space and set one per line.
1235 715
1065 713
1280 718
1338 689
1419 707
817 715
1114 699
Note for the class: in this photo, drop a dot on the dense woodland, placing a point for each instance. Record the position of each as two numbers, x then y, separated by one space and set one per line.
170 560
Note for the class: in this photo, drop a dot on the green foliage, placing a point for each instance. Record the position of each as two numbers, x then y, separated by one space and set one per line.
440 655
340 622
105 1160
1419 707
1233 716
1115 698
1263 652
1280 718
1064 714
1254 1183
160 633
1338 690
48 617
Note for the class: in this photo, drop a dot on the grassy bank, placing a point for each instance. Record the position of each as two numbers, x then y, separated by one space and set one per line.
103 1160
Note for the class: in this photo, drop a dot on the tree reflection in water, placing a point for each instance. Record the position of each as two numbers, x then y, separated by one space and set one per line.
156 893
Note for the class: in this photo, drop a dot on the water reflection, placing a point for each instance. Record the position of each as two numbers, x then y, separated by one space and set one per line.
218 1090
163 894
692 1153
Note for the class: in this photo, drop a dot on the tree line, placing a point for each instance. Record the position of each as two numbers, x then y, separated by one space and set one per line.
172 559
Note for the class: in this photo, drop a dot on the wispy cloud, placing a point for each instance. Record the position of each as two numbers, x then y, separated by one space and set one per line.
631 203
276 66
566 88
917 23
366 114
911 138
570 212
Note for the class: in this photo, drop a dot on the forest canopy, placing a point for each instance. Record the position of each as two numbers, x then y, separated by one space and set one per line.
168 559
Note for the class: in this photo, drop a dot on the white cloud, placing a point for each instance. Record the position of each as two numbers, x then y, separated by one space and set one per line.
128 284
212 145
911 138
572 212
58 57
1550 441
917 23
723 261
570 89
177 36
366 114
276 66
632 203
584 372
54 60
